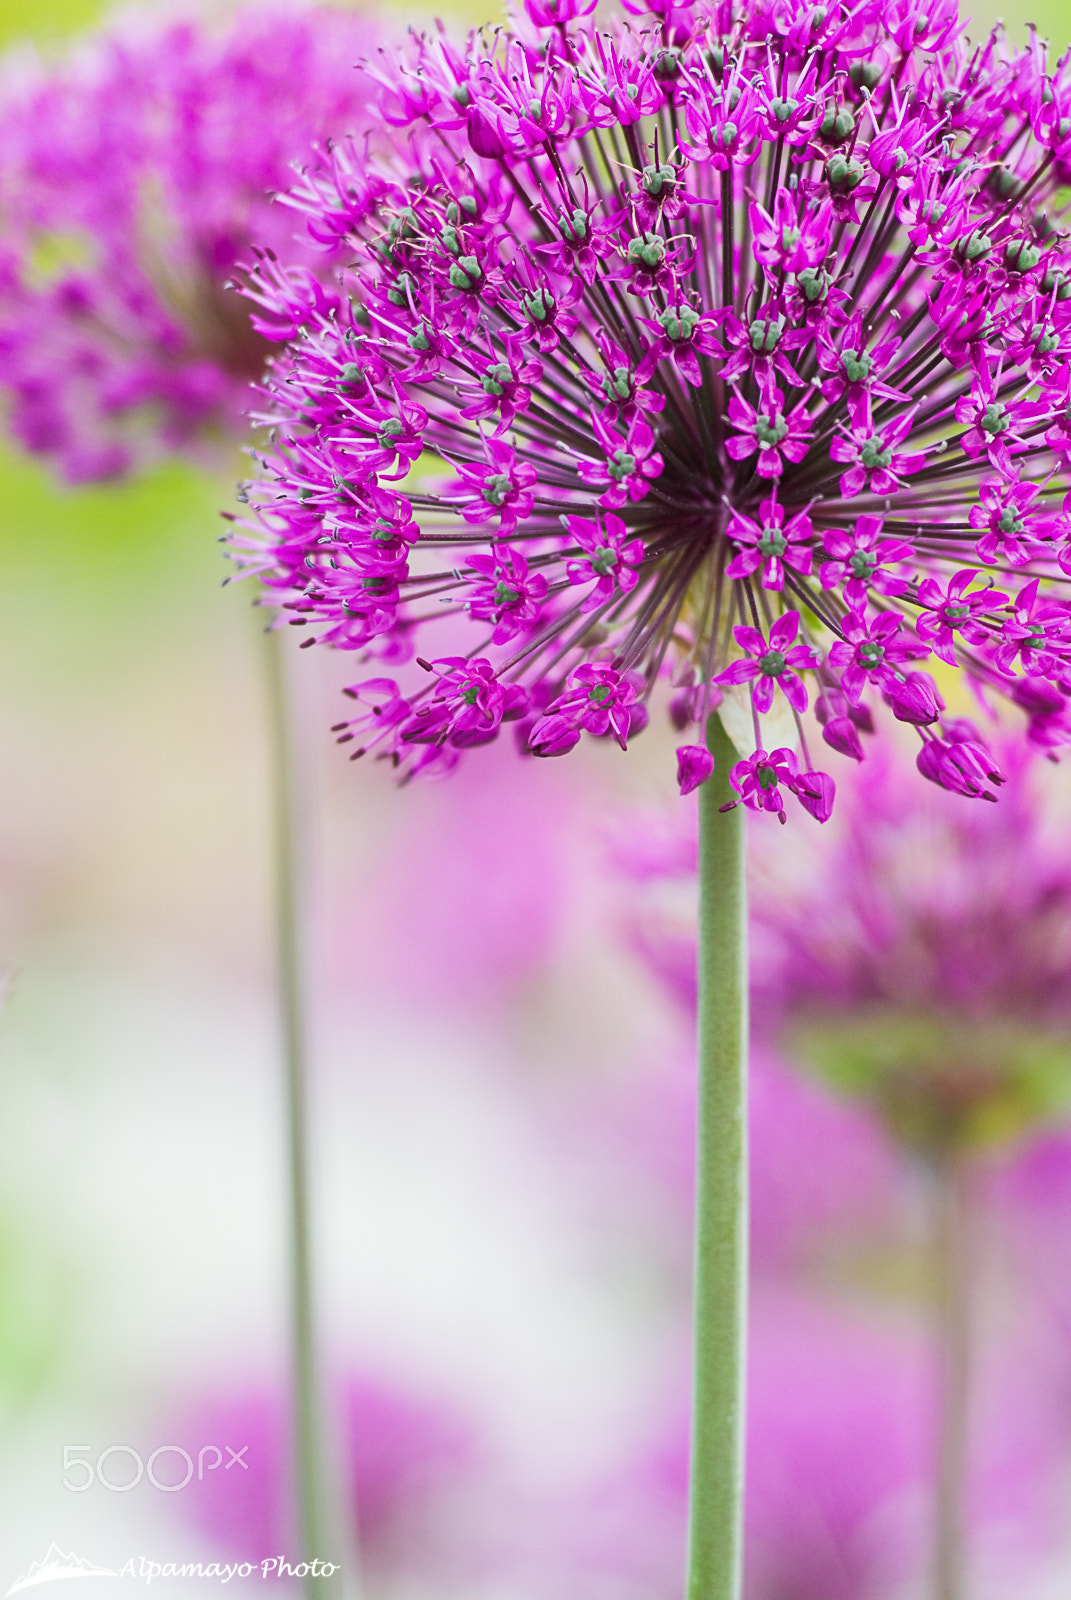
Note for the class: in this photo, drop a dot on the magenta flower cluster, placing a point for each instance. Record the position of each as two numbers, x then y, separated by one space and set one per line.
939 911
728 346
133 176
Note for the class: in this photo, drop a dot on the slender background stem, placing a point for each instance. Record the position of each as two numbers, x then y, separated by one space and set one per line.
312 1495
953 1248
715 1534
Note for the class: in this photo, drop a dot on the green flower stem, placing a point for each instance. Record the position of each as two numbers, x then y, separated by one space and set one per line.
715 1535
953 1249
310 1481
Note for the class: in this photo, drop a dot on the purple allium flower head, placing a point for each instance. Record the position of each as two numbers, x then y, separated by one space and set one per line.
406 1455
733 321
134 175
936 981
837 1457
920 958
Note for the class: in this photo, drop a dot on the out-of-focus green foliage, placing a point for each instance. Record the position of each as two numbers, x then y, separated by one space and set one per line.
44 19
48 21
96 579
33 1300
1052 18
106 534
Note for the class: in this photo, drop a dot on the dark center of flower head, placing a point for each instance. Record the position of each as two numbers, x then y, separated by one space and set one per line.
995 420
506 595
604 560
471 694
772 664
1009 522
600 694
957 613
622 465
390 430
862 565
772 542
770 430
871 654
766 775
873 455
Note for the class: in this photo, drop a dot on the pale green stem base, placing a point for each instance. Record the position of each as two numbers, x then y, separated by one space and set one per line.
715 1535
953 1249
310 1482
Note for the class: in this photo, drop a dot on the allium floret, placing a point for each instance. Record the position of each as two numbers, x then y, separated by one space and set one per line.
725 346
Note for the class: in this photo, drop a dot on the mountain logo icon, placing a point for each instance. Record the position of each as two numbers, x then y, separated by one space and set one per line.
57 1565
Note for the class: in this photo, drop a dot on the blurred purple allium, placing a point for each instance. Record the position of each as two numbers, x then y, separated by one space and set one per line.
405 1457
133 176
921 956
838 1454
936 979
725 345
837 1460
507 872
800 1207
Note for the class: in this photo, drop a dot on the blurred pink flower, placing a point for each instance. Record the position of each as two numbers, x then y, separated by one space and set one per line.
135 175
822 1171
482 879
837 1460
406 1456
924 904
